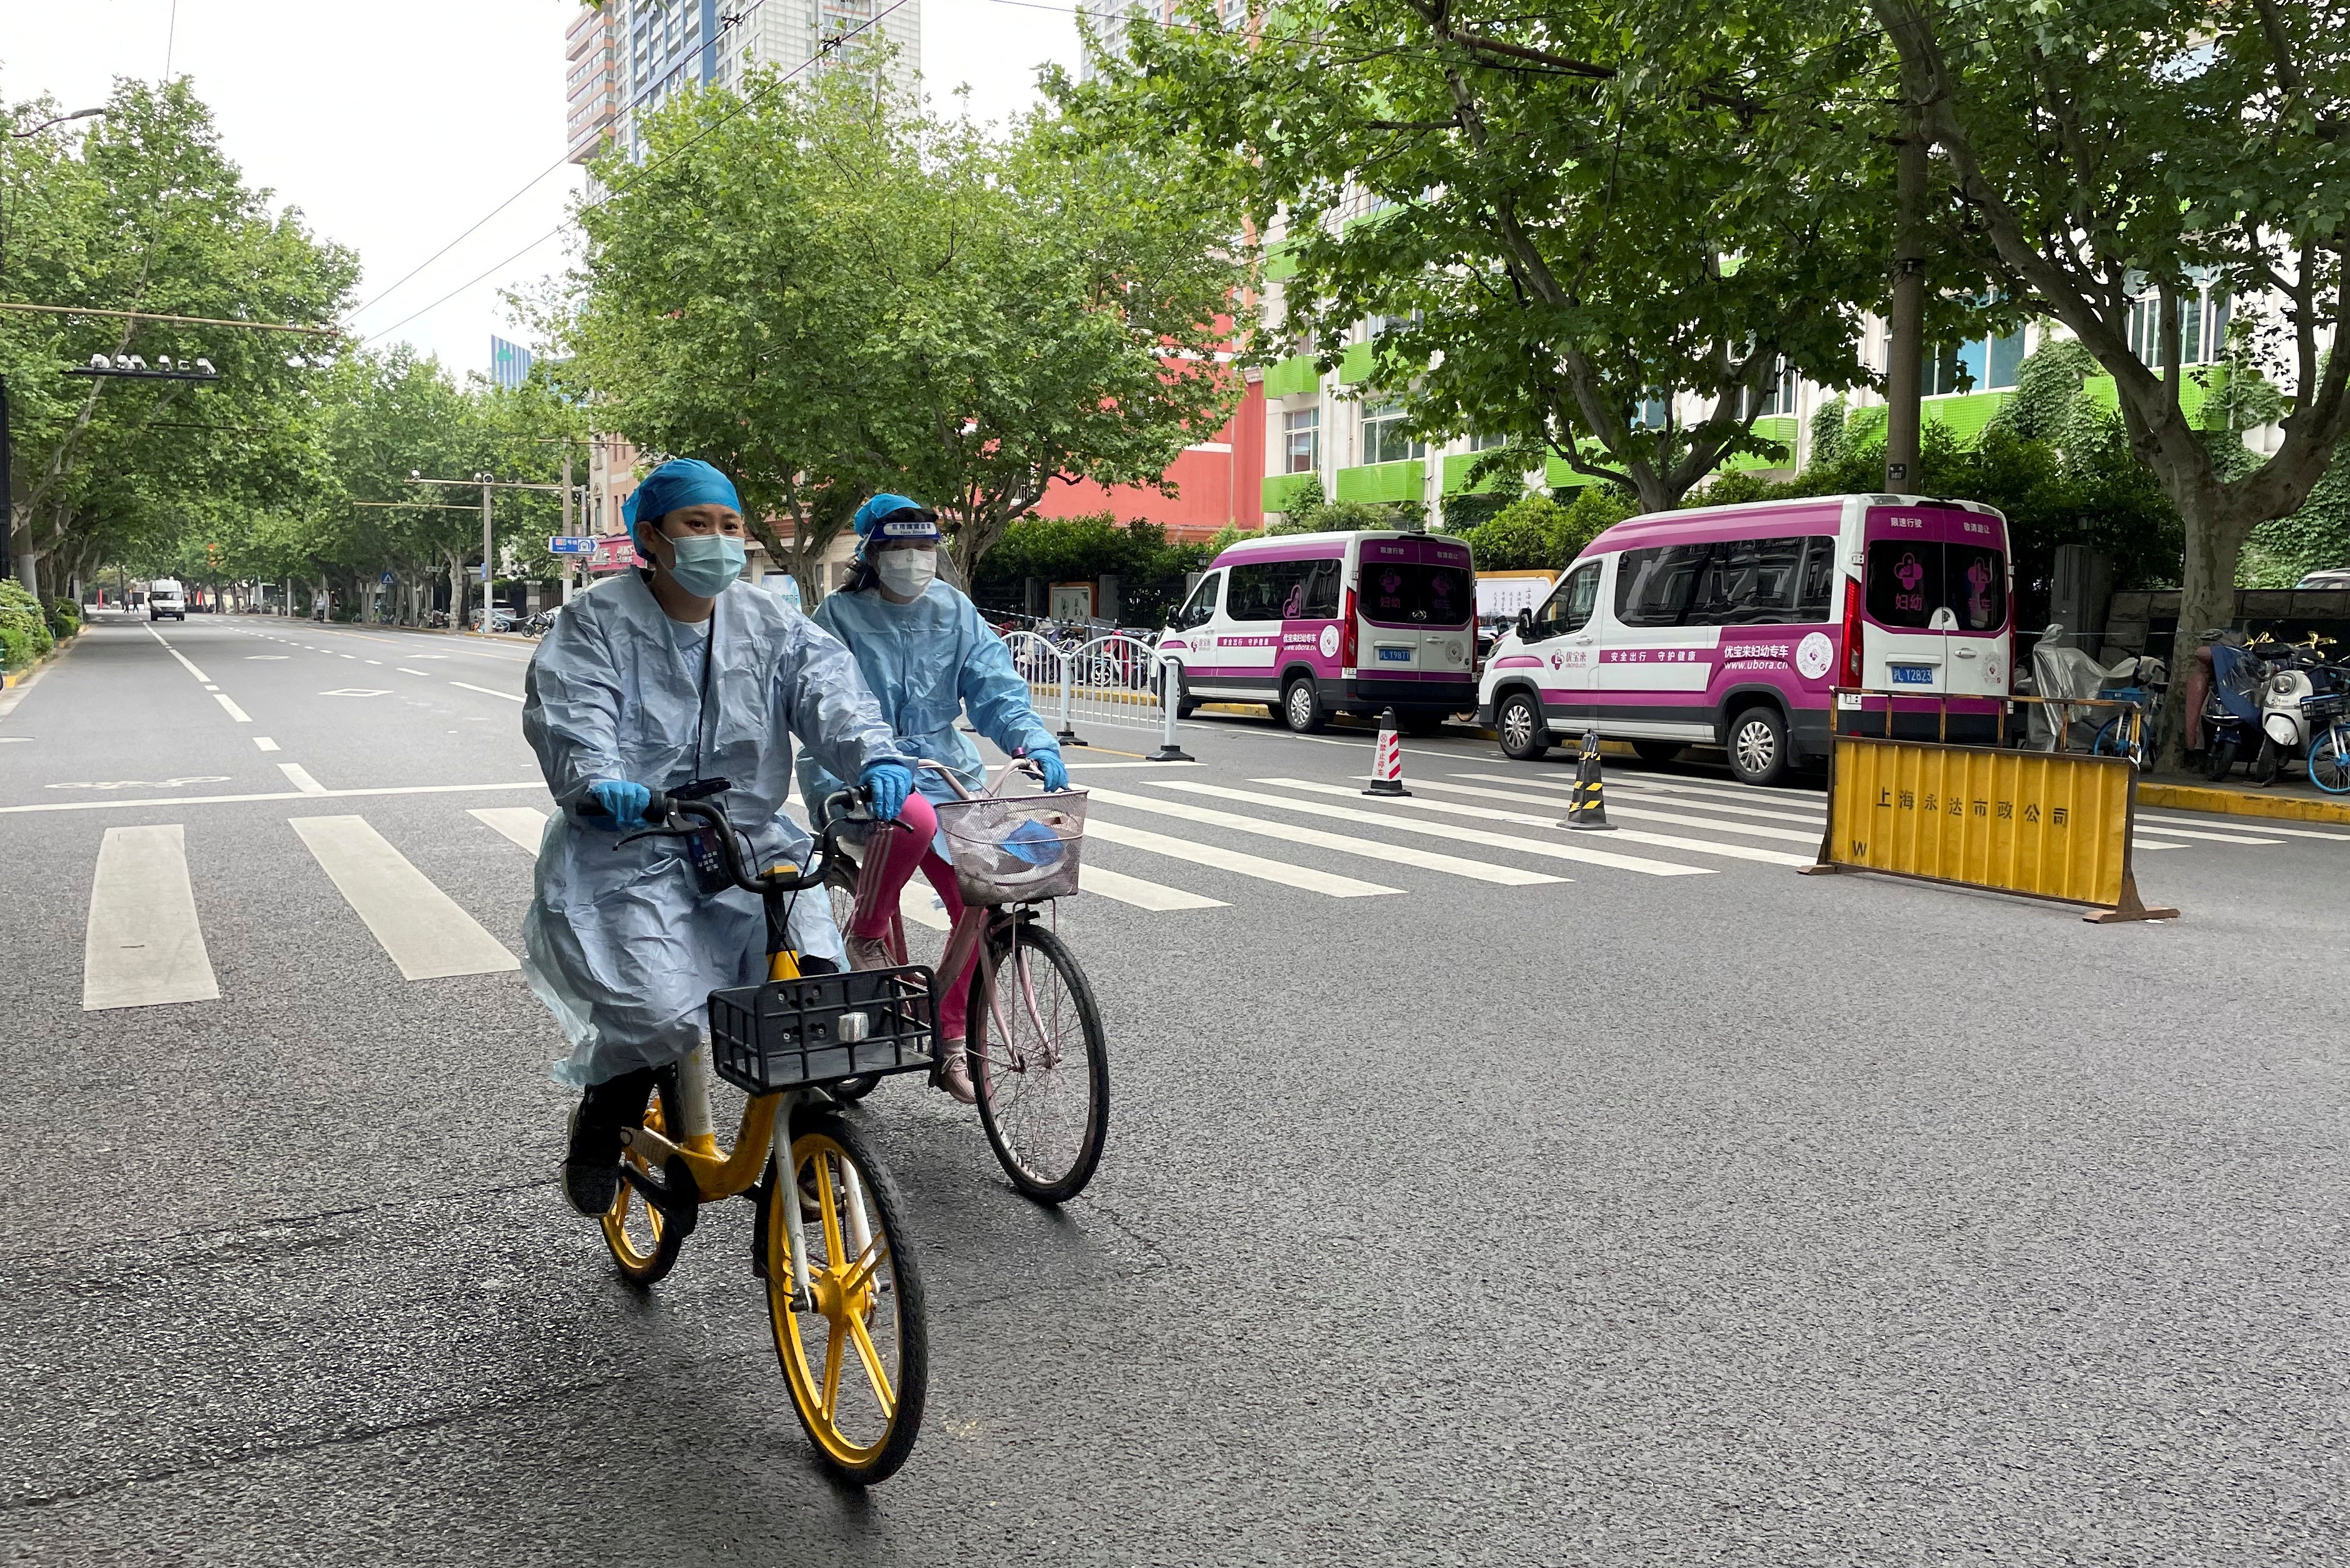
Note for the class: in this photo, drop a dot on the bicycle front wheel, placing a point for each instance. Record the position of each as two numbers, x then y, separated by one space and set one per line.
856 1351
1039 1062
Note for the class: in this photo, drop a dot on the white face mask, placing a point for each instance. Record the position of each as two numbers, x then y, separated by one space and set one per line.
906 573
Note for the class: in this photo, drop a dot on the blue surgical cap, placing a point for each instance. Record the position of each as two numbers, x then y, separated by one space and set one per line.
895 517
679 481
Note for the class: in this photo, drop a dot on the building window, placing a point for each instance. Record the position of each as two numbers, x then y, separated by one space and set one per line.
2202 323
1487 443
1978 365
1384 436
1650 413
1777 395
1300 440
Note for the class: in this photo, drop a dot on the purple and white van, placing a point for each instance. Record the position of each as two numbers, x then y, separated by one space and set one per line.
1733 626
1316 624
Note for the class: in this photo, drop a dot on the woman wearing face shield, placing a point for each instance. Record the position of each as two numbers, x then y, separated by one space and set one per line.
929 659
674 674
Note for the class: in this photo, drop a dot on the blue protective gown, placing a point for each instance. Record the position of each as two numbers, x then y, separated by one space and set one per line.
620 942
928 662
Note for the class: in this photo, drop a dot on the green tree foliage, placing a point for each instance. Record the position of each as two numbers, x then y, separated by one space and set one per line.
2112 147
868 298
1540 532
2315 539
25 634
142 212
1548 217
1151 571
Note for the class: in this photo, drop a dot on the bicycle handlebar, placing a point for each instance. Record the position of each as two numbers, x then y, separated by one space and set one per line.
665 813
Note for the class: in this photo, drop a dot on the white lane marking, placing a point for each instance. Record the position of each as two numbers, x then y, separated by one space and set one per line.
264 657
2266 825
421 927
405 670
373 661
1580 849
2150 844
2143 825
143 945
523 826
487 691
1098 767
241 799
347 656
1371 848
1141 894
1632 813
357 691
236 712
1814 802
209 687
299 777
178 655
1246 865
919 905
265 742
1815 816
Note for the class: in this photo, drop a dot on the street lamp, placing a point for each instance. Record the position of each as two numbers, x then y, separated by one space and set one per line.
8 456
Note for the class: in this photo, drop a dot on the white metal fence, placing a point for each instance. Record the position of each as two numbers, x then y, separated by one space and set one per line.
1113 681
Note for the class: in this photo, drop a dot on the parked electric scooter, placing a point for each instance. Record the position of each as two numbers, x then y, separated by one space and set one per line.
2295 692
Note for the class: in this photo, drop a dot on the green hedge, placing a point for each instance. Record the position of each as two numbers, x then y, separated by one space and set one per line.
25 635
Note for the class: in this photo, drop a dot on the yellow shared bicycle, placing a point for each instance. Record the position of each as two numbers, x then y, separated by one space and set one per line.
844 1296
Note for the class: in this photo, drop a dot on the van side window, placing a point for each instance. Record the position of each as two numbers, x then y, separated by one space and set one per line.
1201 607
1819 579
1321 596
1656 586
1570 605
1750 582
1269 590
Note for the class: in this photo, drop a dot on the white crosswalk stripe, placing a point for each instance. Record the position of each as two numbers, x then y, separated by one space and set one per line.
143 945
1290 832
1268 870
1433 829
523 825
1615 808
418 924
1141 894
1585 849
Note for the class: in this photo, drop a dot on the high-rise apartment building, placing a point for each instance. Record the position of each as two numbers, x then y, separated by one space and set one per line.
591 46
1113 23
660 47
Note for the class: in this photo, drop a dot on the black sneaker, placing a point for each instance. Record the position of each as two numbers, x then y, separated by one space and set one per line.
591 1166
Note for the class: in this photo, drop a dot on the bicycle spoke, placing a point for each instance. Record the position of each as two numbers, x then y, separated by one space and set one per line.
867 1264
883 1395
828 1204
836 1343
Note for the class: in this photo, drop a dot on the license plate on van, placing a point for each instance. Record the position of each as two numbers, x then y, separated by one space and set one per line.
1395 656
1913 675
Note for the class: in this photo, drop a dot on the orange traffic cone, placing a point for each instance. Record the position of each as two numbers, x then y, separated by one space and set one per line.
1387 762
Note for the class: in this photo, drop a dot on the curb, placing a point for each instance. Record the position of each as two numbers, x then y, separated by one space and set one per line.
16 682
2237 803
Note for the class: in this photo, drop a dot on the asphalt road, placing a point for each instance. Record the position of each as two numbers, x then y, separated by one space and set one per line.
1684 1211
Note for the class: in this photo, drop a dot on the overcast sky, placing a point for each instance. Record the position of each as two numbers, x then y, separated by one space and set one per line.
395 127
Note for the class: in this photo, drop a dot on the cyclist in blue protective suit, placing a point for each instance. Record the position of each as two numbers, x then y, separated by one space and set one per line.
928 658
670 676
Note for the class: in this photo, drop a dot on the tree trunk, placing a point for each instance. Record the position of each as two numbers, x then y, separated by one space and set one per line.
2207 599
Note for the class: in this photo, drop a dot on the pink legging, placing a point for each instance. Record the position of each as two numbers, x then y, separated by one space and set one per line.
897 848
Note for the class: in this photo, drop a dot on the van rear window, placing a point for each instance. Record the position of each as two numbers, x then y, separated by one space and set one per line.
1910 579
1413 593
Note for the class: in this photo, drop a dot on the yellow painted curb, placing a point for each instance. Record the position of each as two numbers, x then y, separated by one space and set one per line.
2236 803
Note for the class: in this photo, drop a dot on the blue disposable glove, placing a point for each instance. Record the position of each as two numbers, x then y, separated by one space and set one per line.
890 784
624 803
1055 771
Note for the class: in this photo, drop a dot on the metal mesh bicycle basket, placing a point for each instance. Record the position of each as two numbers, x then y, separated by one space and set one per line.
1015 849
822 1028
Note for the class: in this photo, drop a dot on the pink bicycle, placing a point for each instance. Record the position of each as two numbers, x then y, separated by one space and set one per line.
1039 1064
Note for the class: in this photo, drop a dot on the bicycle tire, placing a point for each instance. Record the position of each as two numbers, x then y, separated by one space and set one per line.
2329 760
646 1252
845 1312
1049 1163
2109 741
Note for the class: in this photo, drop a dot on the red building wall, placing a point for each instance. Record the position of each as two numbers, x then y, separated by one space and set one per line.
1219 482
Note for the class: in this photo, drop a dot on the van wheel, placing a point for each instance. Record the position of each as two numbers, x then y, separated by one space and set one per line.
1519 723
1185 703
1658 751
1301 707
1758 746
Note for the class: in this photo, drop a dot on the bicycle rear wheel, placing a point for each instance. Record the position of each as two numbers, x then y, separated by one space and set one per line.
2329 760
857 1355
1039 1062
643 1242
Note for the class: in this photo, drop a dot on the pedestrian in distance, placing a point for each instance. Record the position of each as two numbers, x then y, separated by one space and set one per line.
674 676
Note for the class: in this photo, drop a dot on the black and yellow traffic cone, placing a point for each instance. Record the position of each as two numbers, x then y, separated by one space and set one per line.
1387 762
1588 810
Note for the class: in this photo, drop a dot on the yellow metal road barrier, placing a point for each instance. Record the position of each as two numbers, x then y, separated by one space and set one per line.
2045 824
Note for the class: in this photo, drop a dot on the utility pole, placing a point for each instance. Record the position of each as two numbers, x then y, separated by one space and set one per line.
488 563
1905 354
567 519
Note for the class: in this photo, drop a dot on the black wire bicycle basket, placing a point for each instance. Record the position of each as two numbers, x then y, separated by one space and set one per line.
822 1028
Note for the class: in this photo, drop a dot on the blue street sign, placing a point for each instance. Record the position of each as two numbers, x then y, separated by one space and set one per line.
386 579
571 545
